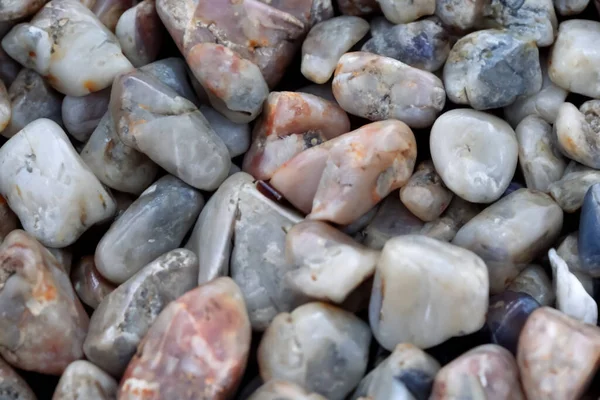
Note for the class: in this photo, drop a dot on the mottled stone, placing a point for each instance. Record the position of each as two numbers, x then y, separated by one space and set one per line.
49 187
475 154
425 195
9 68
43 323
173 72
235 136
459 14
589 227
327 42
570 190
326 349
109 11
539 158
84 380
155 223
291 123
358 7
534 281
558 355
418 282
31 98
422 44
378 88
140 33
404 11
207 333
530 215
15 387
283 390
68 45
17 9
90 286
507 313
576 132
408 373
153 119
485 372
458 213
124 316
490 69
81 115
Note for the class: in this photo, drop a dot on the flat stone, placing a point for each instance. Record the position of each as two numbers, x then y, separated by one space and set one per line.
173 72
378 88
14 10
576 132
327 349
109 11
404 11
43 323
458 213
425 194
84 380
13 385
39 161
358 7
81 115
140 33
53 42
534 281
570 190
461 15
589 225
283 390
124 316
155 223
207 330
90 286
530 215
235 136
418 281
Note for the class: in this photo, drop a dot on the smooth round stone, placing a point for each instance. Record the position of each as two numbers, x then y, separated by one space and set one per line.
140 33
109 11
81 115
327 42
485 372
207 333
475 154
407 373
90 286
574 62
235 136
539 158
530 215
570 190
404 11
13 385
459 14
422 44
173 72
327 349
507 313
378 88
491 69
534 281
43 323
458 213
84 380
14 10
49 187
358 7
425 195
418 281
589 229
577 132
155 223
5 107
557 356
283 390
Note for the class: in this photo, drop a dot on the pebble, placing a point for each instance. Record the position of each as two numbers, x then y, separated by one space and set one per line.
84 380
358 7
570 7
336 363
534 281
550 374
124 316
236 137
490 69
43 323
458 213
140 33
109 11
69 46
81 115
378 88
327 42
283 390
568 250
404 11
208 332
589 225
530 215
460 15
90 286
474 153
570 190
425 195
539 158
15 10
418 281
173 72
38 161
155 223
13 385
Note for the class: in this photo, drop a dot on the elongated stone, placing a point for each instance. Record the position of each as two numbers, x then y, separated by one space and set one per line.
207 330
140 33
328 349
531 215
490 69
358 7
404 308
41 160
53 44
327 42
31 98
570 7
5 107
425 194
570 190
404 11
43 323
291 123
154 224
124 316
11 384
534 281
84 380
539 158
550 374
576 132
474 153
458 213
589 226
378 88
283 390
459 14
14 10
235 136
90 286
81 115
173 72
9 68
407 373
487 372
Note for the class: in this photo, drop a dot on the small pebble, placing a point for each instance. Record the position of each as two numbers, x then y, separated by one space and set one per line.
90 286
81 115
13 385
235 136
404 11
458 213
109 11
173 72
14 10
576 133
84 380
460 15
283 390
570 7
570 190
9 68
425 195
5 107
140 33
587 247
8 220
534 281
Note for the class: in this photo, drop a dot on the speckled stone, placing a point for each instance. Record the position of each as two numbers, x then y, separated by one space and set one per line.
589 227
81 115
283 390
140 33
534 281
235 136
84 380
570 190
425 195
13 385
576 132
14 10
90 286
404 11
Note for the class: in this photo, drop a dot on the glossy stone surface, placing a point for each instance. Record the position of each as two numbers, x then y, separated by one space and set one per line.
235 136
81 115
140 33
378 88
109 11
155 223
534 281
403 11
570 190
327 349
283 390
589 228
84 380
14 10
207 330
68 45
43 323
530 215
490 69
13 385
425 195
474 153
417 282
40 161
90 286
576 132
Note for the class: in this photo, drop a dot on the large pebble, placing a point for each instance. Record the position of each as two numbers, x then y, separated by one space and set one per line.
84 380
458 213
534 281
81 115
403 11
283 390
475 154
235 136
12 385
570 190
576 132
90 286
588 248
326 349
425 195
418 281
140 33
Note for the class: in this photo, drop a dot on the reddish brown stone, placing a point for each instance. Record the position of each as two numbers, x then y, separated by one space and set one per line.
109 11
90 286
